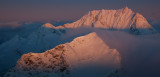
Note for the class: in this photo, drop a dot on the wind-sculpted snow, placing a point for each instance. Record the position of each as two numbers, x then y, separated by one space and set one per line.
85 56
122 19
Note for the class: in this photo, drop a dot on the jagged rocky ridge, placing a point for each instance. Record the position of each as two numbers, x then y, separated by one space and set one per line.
122 19
82 57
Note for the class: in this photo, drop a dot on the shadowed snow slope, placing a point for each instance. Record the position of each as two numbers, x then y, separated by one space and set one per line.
85 56
122 19
38 41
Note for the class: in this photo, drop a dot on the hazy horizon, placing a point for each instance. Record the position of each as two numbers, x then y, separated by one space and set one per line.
70 10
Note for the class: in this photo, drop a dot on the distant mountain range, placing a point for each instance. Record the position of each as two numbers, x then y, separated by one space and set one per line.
122 19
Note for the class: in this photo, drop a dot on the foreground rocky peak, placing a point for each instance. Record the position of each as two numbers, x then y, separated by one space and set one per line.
122 19
78 58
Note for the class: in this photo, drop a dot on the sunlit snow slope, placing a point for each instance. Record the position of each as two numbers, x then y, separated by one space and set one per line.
122 19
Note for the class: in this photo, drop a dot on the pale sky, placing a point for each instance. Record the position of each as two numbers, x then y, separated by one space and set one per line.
69 10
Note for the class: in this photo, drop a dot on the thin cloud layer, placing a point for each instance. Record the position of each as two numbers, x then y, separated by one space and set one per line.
9 24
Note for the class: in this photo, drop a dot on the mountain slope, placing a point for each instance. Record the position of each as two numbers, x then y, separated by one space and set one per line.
85 56
122 19
34 41
42 39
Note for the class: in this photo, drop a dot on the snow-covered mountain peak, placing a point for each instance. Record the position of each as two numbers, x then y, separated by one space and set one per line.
48 25
81 57
141 22
121 19
89 48
91 35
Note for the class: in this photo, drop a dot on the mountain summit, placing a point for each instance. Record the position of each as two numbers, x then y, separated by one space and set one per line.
122 19
48 25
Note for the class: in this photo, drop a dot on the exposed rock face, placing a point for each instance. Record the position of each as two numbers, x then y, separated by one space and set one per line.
122 19
82 57
49 61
